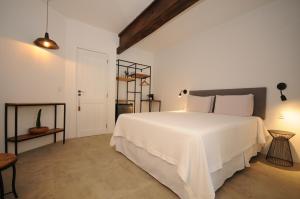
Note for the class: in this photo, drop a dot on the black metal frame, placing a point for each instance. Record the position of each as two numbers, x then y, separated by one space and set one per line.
13 182
16 106
128 65
279 152
150 104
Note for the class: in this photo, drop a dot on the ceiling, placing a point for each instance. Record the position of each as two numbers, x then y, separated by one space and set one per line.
113 15
202 16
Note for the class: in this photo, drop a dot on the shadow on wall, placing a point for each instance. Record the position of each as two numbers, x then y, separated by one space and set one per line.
30 50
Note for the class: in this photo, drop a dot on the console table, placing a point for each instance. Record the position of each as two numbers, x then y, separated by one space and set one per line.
23 137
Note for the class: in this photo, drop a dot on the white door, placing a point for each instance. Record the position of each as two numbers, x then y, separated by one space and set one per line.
91 93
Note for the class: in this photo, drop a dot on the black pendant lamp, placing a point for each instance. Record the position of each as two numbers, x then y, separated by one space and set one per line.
46 42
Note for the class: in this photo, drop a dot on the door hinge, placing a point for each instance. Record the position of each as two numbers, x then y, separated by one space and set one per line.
106 125
107 61
106 95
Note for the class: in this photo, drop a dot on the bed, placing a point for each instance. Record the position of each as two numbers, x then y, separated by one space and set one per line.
193 153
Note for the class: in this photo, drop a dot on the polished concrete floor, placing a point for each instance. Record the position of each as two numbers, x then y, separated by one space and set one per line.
88 168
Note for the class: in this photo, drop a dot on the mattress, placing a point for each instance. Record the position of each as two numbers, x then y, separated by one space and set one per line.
196 144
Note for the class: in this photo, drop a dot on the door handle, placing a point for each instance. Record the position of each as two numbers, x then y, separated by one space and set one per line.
80 92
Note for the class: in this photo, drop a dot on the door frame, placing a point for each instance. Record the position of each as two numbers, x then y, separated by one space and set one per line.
76 83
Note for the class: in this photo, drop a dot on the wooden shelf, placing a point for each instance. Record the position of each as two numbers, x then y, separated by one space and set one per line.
147 100
140 75
34 104
134 92
25 137
125 79
124 101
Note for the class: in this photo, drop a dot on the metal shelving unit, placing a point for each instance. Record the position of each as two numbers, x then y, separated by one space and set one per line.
134 73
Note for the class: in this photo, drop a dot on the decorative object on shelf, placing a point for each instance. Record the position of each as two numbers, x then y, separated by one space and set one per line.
280 152
46 42
182 92
282 86
38 128
150 96
126 73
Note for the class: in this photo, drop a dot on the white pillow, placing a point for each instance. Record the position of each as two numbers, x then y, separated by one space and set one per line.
240 105
200 104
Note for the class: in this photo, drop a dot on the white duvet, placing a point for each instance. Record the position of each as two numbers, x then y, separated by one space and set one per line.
196 143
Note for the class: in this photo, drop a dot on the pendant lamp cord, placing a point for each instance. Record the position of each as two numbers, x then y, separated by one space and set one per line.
47 17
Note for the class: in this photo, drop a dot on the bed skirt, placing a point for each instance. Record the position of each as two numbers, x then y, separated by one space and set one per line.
166 173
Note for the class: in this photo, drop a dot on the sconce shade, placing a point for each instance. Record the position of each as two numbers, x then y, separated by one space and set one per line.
46 42
281 86
182 92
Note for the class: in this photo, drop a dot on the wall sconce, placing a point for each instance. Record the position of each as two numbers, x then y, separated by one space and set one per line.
282 86
182 92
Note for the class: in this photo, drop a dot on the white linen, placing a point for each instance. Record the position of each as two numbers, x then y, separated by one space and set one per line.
196 143
239 105
167 174
200 104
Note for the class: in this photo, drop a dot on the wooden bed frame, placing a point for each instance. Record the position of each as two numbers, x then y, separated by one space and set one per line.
260 97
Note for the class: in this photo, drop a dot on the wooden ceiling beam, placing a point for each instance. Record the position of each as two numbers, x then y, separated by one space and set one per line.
152 18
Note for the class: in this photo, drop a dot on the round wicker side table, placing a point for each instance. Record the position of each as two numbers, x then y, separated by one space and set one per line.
280 152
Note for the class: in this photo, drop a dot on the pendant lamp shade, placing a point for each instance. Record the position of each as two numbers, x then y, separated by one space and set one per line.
46 42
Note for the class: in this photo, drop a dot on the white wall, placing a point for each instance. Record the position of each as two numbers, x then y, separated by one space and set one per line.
31 74
258 49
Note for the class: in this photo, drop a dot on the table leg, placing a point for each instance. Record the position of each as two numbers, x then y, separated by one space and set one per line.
1 187
16 130
6 129
14 181
290 154
270 148
55 121
64 135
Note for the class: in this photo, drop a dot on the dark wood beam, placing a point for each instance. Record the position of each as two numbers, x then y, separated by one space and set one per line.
152 18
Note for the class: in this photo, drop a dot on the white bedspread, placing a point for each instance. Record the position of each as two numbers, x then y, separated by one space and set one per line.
196 143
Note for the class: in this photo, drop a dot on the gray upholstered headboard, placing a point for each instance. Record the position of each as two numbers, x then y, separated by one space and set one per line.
260 97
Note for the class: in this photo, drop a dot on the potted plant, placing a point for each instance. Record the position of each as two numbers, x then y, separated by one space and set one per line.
38 127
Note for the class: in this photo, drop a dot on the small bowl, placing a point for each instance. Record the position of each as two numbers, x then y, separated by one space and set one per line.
39 130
